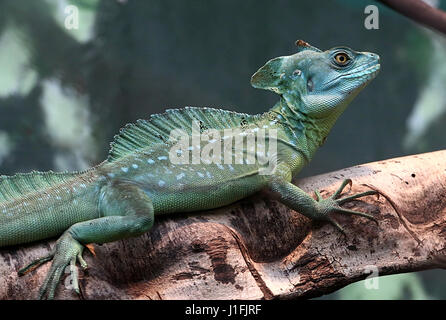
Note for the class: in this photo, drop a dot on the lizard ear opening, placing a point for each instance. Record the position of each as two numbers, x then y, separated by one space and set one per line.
269 76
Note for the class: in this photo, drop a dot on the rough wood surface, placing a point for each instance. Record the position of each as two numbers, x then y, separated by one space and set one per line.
259 249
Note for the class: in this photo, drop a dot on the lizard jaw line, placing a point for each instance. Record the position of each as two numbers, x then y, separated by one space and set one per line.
372 70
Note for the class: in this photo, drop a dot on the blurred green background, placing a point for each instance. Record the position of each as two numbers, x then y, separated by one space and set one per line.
65 92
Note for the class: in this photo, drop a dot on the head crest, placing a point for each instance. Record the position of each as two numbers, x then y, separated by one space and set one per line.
302 45
273 74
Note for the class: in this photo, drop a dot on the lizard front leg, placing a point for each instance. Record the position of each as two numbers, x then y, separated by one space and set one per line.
126 212
320 209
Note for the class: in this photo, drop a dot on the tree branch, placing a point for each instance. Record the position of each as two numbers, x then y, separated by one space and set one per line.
258 248
420 12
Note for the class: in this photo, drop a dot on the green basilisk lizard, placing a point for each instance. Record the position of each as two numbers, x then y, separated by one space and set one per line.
143 176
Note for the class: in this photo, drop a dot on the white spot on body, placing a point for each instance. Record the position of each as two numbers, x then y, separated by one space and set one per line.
161 183
180 176
125 169
162 158
135 166
150 161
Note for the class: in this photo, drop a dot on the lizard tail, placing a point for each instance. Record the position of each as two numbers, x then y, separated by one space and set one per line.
31 207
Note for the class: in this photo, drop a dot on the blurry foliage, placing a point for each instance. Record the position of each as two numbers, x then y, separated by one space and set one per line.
429 110
399 286
65 93
418 50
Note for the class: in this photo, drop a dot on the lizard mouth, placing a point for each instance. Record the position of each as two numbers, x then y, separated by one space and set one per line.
364 73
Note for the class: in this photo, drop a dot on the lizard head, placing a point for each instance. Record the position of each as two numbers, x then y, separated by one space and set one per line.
317 82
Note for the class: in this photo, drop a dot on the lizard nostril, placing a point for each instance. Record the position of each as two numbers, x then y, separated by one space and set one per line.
373 55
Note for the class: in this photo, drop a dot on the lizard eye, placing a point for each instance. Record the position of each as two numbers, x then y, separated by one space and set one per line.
342 58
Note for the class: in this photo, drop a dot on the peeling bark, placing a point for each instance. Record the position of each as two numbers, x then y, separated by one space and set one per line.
259 249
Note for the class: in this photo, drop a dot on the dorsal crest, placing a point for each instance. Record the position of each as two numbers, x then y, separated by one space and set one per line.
157 129
15 187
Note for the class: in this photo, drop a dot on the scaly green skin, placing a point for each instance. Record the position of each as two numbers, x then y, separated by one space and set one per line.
120 197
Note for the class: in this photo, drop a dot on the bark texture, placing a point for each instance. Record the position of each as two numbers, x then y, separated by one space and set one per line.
259 249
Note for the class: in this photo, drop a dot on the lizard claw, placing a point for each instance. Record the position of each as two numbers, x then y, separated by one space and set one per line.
333 204
90 248
66 253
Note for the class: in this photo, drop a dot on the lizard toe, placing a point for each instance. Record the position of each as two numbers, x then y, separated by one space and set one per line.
68 251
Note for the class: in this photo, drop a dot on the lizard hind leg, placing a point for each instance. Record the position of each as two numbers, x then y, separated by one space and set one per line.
66 252
126 212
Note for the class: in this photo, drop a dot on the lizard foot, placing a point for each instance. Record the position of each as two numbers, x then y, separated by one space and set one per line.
66 252
333 204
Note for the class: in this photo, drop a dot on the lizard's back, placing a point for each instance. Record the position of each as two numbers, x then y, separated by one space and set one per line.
203 176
